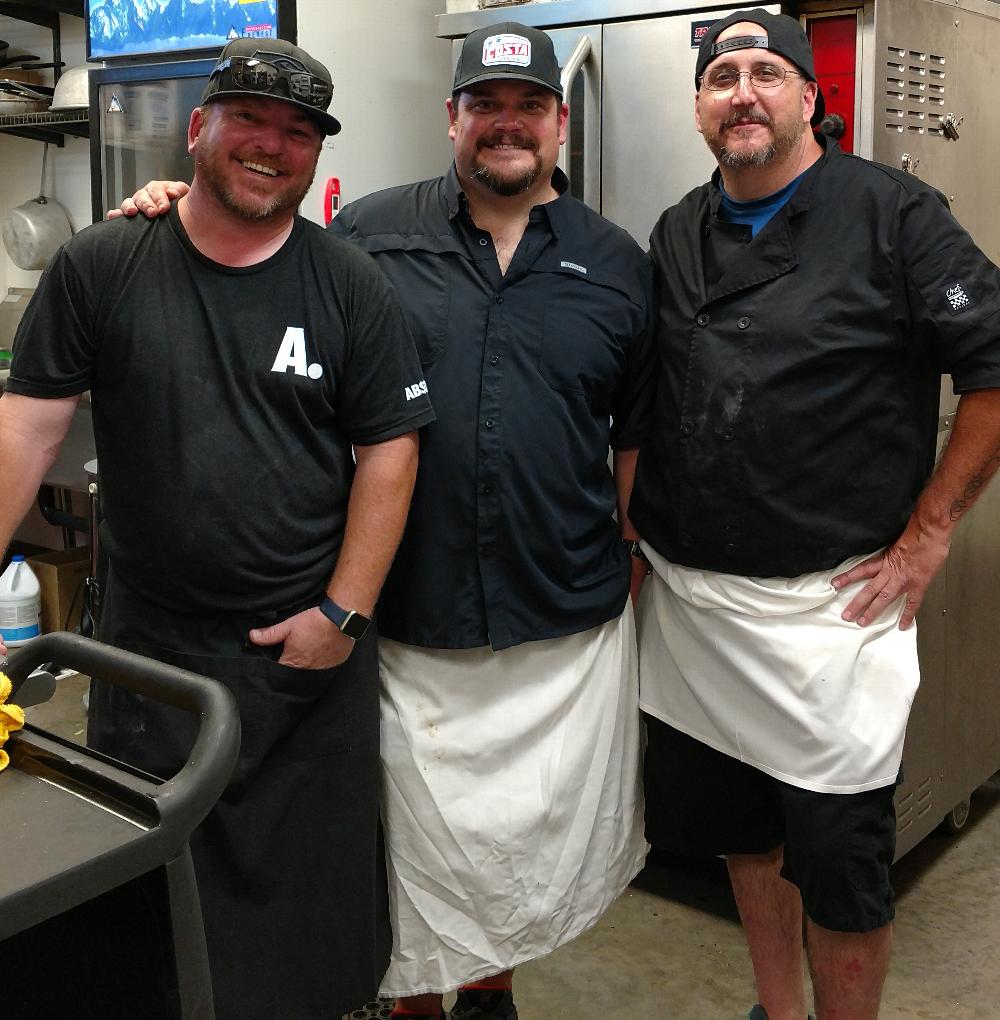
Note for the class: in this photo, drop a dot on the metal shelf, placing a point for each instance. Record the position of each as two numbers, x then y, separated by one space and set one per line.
41 11
47 126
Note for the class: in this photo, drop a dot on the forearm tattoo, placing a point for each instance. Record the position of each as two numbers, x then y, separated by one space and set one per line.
975 484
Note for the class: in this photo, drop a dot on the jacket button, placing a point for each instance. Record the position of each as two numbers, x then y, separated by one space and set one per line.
483 242
499 299
743 321
730 547
487 490
687 427
489 423
728 433
495 360
703 319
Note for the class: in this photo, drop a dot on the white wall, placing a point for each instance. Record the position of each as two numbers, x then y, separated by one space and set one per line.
391 76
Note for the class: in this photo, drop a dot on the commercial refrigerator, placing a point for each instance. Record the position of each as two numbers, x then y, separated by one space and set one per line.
139 117
911 79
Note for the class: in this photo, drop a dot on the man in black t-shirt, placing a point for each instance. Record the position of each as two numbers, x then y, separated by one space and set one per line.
256 396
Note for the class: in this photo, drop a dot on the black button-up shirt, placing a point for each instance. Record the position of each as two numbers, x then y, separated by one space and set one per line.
533 373
797 408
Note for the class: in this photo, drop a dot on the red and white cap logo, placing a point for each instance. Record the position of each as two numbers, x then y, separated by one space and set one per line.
506 49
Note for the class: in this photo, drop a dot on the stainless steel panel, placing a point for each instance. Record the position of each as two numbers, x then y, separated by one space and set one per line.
923 797
652 153
553 13
932 60
973 642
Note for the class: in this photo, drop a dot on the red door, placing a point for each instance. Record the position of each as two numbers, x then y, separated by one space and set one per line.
834 43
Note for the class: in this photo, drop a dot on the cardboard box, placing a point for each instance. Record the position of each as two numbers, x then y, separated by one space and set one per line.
60 576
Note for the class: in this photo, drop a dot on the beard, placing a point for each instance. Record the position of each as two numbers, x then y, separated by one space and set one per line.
784 139
246 206
512 182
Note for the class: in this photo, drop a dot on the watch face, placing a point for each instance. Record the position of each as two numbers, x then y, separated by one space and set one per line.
355 625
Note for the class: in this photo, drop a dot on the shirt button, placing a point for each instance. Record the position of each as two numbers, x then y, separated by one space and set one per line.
495 360
743 321
483 241
687 427
489 423
703 320
728 433
487 490
499 299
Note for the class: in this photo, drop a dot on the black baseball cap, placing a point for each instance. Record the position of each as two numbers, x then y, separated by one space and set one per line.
785 36
508 50
274 69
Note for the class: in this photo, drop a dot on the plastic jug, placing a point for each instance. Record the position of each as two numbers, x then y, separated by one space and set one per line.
20 604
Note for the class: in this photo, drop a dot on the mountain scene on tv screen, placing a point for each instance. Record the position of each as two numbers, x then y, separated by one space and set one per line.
120 27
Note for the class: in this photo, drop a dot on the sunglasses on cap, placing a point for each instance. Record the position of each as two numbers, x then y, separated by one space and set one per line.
257 75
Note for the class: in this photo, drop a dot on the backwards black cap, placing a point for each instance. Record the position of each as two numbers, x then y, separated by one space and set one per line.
785 36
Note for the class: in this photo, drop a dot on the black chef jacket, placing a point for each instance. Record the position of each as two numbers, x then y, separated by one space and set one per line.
511 535
800 371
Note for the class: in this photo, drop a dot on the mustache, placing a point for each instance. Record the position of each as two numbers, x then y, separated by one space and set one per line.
754 116
506 138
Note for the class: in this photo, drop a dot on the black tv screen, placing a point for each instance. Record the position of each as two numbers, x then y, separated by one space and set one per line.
136 28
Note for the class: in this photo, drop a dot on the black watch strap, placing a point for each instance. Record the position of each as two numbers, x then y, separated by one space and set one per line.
347 621
634 548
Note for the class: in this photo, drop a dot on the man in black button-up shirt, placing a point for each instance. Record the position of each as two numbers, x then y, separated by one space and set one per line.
529 312
809 302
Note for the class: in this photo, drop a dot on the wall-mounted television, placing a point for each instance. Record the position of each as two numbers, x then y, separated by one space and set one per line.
134 29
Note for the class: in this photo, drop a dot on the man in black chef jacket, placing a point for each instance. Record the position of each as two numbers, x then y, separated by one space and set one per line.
809 302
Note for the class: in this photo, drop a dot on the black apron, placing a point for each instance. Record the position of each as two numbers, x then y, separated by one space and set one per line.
290 864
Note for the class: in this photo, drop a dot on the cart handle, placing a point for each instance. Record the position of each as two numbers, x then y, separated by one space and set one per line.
190 794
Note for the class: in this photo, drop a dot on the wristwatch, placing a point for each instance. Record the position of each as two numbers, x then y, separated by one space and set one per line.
347 621
634 548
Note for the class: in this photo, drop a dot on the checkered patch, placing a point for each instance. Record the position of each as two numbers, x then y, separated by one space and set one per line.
958 298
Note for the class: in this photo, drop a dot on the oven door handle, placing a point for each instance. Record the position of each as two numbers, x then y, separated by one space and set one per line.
570 70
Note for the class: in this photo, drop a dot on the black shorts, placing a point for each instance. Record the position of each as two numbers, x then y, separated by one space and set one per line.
837 846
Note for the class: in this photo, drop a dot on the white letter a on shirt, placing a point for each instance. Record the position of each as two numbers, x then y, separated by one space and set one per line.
292 352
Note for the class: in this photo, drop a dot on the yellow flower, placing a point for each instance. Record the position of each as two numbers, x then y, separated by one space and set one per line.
11 718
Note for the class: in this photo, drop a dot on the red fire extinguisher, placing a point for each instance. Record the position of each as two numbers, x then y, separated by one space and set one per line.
331 199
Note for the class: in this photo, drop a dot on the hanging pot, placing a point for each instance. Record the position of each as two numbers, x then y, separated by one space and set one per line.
34 232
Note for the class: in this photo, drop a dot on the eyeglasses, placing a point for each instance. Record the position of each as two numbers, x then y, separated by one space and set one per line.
257 75
764 76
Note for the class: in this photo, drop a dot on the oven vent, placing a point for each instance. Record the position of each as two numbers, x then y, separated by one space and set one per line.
914 91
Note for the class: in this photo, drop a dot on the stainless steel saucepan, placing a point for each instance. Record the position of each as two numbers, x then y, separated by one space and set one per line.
34 232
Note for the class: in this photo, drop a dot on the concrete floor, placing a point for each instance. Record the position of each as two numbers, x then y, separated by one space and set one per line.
672 947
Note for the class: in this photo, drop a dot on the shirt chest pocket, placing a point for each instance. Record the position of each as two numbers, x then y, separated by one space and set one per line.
587 323
420 269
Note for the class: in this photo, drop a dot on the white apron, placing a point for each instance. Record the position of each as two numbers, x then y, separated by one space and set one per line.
764 670
511 799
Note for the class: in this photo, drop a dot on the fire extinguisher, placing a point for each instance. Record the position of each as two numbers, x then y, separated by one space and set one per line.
331 199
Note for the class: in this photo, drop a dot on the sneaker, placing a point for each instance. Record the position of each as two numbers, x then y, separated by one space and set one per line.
484 1004
377 1009
759 1013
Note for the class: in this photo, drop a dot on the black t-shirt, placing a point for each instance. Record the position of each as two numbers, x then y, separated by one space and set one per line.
226 402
